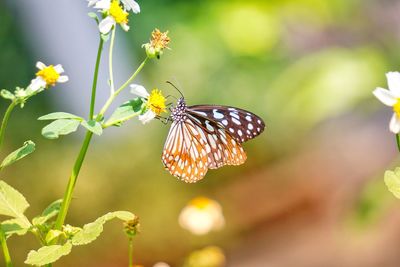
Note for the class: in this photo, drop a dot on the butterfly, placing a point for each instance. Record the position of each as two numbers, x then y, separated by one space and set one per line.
205 137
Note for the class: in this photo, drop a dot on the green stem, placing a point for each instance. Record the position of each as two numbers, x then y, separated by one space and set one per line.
116 93
130 252
78 163
398 141
72 181
5 121
7 257
95 75
110 60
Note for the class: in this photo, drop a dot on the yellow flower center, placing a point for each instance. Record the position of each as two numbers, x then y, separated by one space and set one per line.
396 107
201 202
156 102
49 74
116 11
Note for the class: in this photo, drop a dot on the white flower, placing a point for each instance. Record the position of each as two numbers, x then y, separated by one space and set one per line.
154 102
47 76
115 13
201 216
391 98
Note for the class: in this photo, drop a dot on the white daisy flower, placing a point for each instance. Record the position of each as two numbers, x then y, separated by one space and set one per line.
201 216
154 101
116 13
47 76
391 98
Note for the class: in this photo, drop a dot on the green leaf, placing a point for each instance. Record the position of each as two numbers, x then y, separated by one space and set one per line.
59 115
125 112
94 16
12 203
53 235
18 154
7 94
51 211
93 126
92 231
392 181
60 127
15 226
48 254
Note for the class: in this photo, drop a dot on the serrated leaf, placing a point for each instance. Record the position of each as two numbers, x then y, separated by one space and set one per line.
392 181
59 115
125 112
93 126
12 202
48 254
18 154
92 231
60 127
15 226
7 94
51 211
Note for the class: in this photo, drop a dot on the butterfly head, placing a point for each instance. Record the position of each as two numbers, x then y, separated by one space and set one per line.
179 111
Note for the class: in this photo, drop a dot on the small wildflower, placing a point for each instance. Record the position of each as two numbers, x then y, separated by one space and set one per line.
47 76
201 216
115 12
210 256
132 227
154 102
391 98
158 42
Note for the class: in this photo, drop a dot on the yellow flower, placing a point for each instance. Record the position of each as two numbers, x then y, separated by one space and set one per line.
120 15
201 216
158 42
47 76
154 102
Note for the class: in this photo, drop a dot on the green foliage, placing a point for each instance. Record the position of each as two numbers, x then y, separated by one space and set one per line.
50 212
91 231
7 94
60 127
16 226
59 115
125 112
18 154
392 181
93 126
48 254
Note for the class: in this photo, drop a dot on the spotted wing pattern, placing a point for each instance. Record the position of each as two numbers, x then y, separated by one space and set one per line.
240 124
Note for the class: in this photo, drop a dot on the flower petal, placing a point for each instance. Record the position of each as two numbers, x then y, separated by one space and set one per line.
92 2
124 26
40 65
106 25
395 124
385 96
103 4
147 117
393 79
62 79
139 90
131 4
59 68
37 83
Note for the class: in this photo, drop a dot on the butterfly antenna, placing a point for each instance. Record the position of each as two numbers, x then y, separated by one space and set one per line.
173 85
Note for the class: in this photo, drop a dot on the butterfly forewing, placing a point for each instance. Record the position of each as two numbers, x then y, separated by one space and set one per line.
240 124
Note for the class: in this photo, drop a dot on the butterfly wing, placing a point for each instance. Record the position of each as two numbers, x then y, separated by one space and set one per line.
241 124
184 154
222 149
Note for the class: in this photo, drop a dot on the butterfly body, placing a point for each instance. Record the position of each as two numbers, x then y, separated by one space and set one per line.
206 137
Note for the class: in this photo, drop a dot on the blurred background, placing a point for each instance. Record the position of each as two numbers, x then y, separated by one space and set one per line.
311 192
